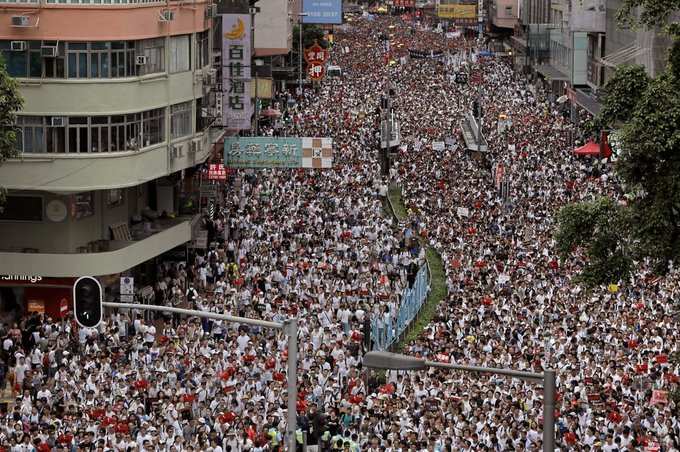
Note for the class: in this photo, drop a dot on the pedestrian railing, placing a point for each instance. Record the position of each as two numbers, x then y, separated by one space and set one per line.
384 333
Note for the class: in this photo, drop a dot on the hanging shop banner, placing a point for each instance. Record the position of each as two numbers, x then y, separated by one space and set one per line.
270 152
237 108
322 11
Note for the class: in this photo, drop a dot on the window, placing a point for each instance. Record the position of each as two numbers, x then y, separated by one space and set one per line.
180 120
154 50
202 49
31 137
22 208
153 127
508 11
81 134
98 59
179 54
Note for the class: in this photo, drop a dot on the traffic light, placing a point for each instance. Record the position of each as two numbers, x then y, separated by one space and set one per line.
87 302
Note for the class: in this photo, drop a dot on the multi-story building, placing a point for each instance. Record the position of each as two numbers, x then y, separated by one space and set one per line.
114 123
504 13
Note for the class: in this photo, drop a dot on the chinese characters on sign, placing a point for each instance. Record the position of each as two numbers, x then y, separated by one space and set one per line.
316 57
217 171
266 152
237 107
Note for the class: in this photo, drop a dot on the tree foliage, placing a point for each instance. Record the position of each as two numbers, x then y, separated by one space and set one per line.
10 103
599 229
623 91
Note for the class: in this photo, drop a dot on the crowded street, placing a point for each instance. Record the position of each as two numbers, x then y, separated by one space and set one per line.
323 246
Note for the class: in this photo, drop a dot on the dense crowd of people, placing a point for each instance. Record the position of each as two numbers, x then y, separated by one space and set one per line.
319 245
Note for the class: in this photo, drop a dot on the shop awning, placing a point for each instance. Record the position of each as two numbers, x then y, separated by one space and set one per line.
592 149
551 72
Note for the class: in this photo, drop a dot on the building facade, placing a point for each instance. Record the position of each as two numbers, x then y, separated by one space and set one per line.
116 119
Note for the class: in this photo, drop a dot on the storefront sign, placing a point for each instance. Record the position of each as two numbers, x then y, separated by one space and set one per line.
316 71
468 12
237 107
269 152
217 171
22 278
404 3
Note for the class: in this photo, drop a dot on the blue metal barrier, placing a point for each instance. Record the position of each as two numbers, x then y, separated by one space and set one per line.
384 334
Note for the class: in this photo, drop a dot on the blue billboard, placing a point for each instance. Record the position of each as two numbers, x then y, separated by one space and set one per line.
322 11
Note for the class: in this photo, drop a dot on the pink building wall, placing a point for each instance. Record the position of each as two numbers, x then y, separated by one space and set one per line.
101 22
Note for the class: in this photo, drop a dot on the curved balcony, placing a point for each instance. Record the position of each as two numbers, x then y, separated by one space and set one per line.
71 173
121 255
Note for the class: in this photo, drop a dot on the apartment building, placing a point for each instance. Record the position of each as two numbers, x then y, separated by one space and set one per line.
116 119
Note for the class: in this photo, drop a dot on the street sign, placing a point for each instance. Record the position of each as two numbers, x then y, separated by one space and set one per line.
127 289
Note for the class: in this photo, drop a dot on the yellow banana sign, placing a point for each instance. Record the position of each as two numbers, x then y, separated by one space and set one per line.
238 31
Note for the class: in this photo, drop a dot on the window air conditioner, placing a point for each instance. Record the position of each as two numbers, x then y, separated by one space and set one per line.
57 121
167 15
18 46
49 51
21 21
140 60
211 11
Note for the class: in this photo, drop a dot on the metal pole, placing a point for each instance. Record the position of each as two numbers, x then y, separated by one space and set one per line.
192 312
291 330
548 411
489 370
252 62
300 50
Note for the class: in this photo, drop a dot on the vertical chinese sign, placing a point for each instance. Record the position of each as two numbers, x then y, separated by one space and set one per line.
237 107
316 57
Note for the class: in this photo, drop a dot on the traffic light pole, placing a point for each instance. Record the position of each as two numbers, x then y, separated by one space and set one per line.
289 327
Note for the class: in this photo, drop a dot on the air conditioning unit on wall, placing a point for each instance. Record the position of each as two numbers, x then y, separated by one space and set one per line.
18 46
167 15
21 21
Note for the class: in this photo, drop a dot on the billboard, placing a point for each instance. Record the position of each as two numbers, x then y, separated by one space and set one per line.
270 152
237 108
457 12
322 11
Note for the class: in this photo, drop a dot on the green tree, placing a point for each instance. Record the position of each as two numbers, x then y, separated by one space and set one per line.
597 230
647 113
10 103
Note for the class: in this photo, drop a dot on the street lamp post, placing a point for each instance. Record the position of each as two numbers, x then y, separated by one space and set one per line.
300 15
395 361
289 327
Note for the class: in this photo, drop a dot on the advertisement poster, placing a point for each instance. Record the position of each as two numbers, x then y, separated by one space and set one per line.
322 11
237 108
